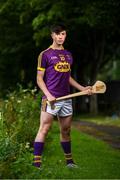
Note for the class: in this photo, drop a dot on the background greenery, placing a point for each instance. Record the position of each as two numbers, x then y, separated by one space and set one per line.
93 38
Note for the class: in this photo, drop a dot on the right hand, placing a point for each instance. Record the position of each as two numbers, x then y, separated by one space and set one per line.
51 100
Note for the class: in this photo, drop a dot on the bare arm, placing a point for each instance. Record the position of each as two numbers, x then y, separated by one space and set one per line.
78 86
43 87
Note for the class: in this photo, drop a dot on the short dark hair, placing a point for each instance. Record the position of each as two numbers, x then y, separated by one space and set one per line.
57 28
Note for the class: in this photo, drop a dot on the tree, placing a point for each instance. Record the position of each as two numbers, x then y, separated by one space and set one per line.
93 36
17 48
93 28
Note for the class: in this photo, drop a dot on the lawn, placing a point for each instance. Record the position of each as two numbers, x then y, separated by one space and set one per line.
19 122
96 160
103 120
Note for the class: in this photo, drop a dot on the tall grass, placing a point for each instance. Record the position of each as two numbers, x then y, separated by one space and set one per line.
19 119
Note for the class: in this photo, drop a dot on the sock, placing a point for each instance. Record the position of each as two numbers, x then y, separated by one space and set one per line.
38 149
67 151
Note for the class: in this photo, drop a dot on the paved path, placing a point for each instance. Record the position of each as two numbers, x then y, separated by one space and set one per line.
109 134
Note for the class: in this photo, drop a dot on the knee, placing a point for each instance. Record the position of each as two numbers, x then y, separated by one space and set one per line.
44 130
65 132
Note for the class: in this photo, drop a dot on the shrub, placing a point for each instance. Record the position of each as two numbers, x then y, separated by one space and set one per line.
19 120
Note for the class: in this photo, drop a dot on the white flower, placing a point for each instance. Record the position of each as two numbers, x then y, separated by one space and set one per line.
1 115
34 90
12 97
27 145
18 101
25 90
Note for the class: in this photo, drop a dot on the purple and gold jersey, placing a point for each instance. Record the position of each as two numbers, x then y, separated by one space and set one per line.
57 66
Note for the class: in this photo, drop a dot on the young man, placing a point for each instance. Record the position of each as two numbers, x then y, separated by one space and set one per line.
54 79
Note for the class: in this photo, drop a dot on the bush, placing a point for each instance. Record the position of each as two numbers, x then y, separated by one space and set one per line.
19 120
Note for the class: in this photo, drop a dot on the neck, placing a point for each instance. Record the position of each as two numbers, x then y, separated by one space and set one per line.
57 46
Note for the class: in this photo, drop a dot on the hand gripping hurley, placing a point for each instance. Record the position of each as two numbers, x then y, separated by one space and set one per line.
98 88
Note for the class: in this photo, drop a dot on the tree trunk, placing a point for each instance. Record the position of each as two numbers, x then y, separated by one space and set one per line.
98 55
93 104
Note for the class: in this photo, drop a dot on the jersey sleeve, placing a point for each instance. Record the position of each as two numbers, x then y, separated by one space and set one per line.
42 62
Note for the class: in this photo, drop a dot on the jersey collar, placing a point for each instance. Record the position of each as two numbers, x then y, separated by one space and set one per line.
55 48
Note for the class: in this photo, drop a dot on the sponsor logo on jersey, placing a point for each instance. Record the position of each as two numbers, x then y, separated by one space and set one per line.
53 57
62 67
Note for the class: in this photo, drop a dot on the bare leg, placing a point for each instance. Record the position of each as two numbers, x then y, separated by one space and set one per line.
45 123
65 128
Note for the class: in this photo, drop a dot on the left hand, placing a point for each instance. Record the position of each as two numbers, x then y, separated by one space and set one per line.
89 88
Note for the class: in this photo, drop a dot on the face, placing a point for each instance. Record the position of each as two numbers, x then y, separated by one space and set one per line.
59 38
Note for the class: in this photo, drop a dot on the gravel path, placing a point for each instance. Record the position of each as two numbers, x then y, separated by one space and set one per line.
109 134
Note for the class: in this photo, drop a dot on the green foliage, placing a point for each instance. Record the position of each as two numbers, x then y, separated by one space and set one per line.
21 109
100 13
111 70
16 43
24 27
19 120
93 27
93 38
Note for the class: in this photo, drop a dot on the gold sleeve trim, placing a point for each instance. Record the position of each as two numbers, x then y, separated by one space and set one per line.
40 59
40 69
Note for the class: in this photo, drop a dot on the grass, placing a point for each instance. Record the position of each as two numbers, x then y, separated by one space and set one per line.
103 120
19 122
96 160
